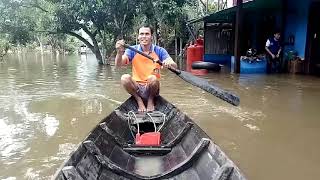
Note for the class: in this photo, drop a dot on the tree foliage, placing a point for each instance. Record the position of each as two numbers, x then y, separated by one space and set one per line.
30 21
4 46
97 23
16 24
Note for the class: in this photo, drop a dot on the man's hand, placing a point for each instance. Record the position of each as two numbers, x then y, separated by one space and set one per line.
121 58
119 46
273 56
169 63
278 55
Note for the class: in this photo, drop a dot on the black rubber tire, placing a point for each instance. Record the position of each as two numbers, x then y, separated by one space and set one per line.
206 65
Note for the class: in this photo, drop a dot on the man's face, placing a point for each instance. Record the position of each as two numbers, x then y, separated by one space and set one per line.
277 36
145 37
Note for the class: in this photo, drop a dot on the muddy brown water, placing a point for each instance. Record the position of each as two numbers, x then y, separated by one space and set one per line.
49 104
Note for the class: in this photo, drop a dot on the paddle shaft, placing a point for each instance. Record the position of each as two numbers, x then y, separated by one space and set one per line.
176 71
142 53
196 81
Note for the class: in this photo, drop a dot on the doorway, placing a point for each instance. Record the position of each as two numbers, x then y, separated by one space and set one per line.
313 45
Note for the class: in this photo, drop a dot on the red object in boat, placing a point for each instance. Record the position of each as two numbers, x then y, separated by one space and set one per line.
148 139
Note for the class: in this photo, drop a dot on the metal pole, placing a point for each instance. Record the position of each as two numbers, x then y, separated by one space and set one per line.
190 31
207 9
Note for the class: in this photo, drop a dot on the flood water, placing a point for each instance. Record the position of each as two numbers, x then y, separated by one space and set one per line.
49 104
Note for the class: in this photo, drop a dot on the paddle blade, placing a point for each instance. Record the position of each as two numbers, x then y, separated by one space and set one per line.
210 88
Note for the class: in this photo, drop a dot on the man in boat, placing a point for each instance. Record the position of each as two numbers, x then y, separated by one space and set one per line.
144 84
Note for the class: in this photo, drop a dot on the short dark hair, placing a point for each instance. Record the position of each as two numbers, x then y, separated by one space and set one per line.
277 31
146 26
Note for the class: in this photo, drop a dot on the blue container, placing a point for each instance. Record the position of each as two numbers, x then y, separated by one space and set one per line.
251 67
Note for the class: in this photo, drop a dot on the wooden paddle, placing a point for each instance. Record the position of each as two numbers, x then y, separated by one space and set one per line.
196 81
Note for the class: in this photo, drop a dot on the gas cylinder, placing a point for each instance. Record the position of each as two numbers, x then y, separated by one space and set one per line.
194 53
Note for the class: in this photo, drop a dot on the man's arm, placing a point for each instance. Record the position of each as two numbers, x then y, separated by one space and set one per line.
121 58
165 58
267 49
169 63
279 52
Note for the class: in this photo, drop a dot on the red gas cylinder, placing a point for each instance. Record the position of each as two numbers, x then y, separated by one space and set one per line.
194 53
199 41
199 72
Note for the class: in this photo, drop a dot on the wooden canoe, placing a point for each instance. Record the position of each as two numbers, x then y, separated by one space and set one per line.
186 151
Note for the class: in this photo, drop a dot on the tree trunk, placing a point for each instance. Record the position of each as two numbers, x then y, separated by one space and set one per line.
40 43
4 51
180 44
104 44
97 51
136 39
156 34
94 48
98 55
106 59
175 44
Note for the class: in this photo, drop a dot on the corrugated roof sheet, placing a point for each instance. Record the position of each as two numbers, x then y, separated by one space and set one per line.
228 14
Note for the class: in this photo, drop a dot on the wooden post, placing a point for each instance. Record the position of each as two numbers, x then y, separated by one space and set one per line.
284 13
237 42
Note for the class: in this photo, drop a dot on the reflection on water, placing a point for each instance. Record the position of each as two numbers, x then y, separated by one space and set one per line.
49 104
51 125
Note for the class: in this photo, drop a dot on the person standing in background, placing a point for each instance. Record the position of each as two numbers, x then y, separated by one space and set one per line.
273 49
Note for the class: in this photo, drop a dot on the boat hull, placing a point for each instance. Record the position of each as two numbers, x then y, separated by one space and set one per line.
186 151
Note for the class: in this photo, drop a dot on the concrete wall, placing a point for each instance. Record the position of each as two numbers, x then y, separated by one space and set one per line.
297 25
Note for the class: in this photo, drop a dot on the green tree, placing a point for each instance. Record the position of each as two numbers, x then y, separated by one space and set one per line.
97 23
28 22
117 22
99 19
168 17
16 24
4 46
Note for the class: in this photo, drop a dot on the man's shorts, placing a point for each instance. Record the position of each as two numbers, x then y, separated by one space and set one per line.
143 91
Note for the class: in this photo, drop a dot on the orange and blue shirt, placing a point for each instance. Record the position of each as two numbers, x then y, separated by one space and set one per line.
143 67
